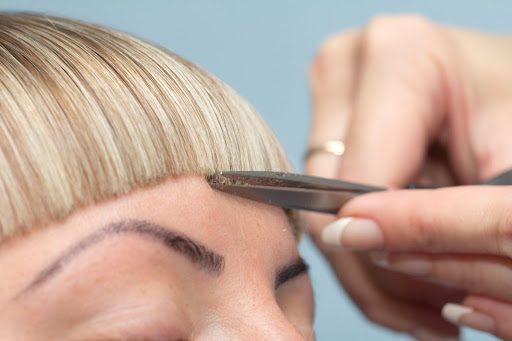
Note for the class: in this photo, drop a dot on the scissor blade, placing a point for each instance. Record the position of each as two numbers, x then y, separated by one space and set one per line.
293 198
280 179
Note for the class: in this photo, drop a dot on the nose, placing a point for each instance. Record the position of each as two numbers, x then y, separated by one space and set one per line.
265 330
254 325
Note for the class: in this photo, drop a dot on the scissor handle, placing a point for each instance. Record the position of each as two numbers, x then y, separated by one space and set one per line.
502 179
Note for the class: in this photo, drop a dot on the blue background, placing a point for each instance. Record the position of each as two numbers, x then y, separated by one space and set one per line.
262 49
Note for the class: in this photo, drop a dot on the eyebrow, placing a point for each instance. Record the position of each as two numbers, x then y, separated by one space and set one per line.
204 258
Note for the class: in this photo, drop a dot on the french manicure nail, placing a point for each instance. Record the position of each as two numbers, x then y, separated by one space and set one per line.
466 316
354 234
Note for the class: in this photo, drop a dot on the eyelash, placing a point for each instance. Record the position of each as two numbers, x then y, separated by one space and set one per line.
291 272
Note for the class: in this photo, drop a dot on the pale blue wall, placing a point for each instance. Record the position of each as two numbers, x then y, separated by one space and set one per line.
262 48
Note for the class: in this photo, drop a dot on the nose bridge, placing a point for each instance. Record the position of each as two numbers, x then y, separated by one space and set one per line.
269 328
253 321
248 329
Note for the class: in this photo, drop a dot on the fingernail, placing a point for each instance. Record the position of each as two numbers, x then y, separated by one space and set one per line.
354 234
427 335
466 316
412 265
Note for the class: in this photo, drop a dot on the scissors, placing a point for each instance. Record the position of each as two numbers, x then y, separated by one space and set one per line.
302 192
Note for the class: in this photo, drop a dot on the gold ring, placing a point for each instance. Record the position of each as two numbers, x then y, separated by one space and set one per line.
334 147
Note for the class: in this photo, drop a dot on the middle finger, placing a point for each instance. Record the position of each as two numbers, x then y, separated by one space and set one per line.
481 274
331 85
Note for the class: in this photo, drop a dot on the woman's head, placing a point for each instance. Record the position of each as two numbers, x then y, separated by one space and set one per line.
88 113
108 229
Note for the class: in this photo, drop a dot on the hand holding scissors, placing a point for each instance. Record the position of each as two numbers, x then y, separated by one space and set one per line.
415 101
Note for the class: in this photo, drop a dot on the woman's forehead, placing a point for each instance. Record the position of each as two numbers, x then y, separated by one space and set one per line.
239 230
190 202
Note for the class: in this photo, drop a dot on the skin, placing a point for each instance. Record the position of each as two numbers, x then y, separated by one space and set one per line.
416 101
132 287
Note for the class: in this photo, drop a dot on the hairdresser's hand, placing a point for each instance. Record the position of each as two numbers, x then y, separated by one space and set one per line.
461 236
412 101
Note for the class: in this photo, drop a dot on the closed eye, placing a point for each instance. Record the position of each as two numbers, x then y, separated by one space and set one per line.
290 271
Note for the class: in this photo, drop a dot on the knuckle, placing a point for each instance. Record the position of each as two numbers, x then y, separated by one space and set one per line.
379 315
470 278
385 32
501 218
374 314
328 54
421 226
385 25
504 328
384 311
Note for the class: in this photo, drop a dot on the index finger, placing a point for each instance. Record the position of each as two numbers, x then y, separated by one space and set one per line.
466 219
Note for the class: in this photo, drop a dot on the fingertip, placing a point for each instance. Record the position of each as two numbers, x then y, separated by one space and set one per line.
466 316
353 234
332 233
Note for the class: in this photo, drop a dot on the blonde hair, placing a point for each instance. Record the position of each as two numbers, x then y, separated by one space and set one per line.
88 113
